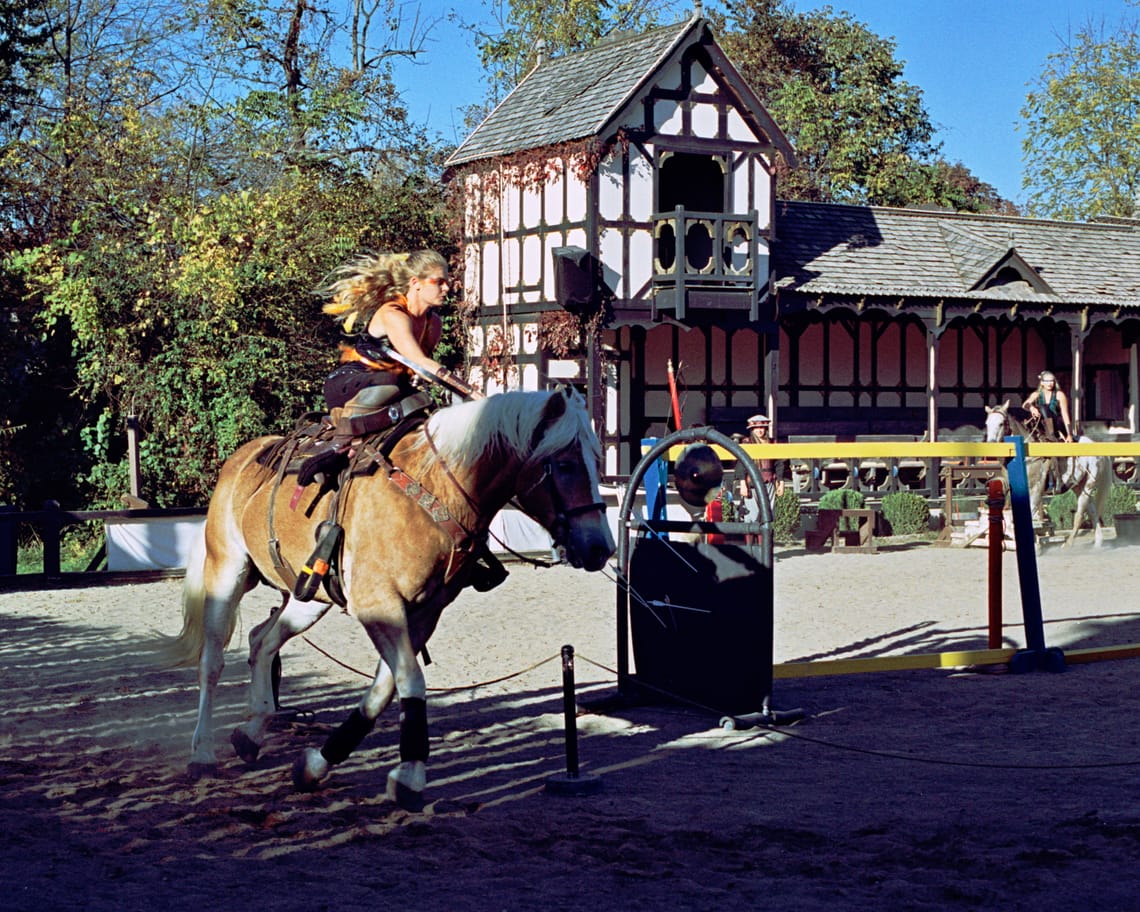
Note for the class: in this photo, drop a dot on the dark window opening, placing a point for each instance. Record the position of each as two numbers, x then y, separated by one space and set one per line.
693 181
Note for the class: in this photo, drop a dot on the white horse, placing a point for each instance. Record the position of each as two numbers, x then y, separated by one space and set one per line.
1007 420
1090 476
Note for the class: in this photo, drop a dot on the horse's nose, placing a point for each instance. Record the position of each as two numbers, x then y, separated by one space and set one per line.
597 554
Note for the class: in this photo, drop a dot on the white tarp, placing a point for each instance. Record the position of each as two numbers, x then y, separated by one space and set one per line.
153 543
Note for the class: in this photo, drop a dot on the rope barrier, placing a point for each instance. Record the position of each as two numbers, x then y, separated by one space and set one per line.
774 729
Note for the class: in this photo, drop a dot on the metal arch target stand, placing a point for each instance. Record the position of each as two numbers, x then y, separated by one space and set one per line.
698 614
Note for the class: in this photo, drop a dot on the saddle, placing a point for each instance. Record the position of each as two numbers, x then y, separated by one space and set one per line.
317 452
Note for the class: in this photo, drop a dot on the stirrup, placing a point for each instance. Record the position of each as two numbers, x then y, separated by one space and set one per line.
317 566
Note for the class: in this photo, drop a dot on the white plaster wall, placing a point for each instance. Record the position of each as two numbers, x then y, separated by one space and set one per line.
512 269
610 249
670 78
705 119
531 213
577 194
511 203
737 128
640 185
702 80
741 190
667 117
553 209
532 251
640 260
763 199
610 179
472 275
490 280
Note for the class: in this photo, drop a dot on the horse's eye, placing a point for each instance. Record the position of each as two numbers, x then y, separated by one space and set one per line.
566 466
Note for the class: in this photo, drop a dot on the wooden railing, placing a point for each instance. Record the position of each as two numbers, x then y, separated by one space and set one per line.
49 524
714 255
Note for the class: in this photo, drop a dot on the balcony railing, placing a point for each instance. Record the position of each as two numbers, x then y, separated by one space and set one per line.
707 259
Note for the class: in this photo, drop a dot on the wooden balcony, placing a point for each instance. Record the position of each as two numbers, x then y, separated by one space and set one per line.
707 261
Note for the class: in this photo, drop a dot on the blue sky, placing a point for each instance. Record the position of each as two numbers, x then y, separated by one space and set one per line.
973 60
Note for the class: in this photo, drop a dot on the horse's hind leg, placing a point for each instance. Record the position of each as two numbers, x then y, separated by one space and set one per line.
265 642
1084 507
224 582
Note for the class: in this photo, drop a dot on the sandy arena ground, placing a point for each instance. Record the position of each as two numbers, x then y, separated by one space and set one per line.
932 789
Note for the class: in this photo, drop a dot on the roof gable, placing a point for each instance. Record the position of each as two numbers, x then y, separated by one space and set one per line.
589 93
985 261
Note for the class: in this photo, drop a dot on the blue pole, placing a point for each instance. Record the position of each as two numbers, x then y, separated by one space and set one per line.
656 478
1023 536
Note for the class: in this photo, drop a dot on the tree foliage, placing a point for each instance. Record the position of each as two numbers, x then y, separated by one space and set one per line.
1082 127
860 131
180 181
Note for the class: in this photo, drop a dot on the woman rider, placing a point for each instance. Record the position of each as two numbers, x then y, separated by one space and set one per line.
1052 405
387 305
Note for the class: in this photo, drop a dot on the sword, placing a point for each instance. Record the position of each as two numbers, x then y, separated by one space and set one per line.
443 376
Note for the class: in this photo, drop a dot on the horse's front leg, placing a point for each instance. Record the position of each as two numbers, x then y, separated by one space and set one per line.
313 765
265 642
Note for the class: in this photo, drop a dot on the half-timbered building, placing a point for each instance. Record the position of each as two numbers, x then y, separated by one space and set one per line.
632 187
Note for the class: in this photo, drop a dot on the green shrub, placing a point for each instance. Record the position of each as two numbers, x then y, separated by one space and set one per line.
906 513
1062 507
1121 499
786 516
843 499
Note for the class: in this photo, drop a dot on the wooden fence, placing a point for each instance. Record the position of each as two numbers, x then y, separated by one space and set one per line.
49 524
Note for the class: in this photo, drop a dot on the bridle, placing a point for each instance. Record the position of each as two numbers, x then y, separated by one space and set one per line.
563 513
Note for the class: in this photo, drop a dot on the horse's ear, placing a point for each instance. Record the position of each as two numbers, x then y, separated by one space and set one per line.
552 412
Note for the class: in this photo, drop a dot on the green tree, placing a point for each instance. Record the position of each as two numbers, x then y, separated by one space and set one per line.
23 33
1082 127
860 131
184 182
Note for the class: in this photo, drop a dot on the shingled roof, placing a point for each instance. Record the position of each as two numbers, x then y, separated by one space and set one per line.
863 251
587 93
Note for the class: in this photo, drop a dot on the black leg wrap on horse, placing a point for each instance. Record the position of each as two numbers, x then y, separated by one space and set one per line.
413 729
347 738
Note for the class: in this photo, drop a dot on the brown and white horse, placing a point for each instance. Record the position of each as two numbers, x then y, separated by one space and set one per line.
1091 477
402 561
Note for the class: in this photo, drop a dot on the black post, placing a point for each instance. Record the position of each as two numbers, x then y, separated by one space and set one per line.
571 782
52 529
570 711
8 542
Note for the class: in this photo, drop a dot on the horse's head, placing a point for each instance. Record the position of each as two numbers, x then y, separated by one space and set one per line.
997 423
558 485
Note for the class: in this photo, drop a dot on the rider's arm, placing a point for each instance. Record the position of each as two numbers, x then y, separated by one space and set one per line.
396 324
1029 403
1063 402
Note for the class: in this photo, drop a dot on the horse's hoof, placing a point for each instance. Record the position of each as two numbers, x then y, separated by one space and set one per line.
406 798
308 771
196 771
244 746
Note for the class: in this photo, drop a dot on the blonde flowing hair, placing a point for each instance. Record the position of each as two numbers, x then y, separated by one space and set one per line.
361 287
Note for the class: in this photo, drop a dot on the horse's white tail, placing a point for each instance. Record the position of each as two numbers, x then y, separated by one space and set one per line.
186 648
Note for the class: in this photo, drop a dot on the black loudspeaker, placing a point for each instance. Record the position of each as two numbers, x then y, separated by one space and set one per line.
575 279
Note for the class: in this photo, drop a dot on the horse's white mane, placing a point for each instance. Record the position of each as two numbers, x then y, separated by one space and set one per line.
506 423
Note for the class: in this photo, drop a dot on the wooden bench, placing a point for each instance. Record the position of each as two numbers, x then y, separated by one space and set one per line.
828 534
